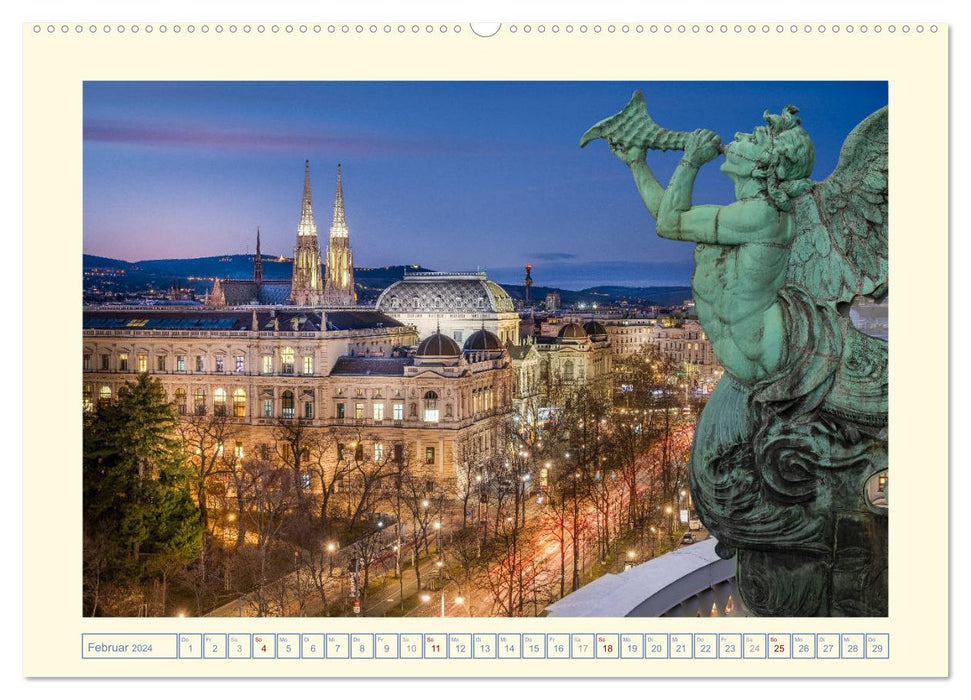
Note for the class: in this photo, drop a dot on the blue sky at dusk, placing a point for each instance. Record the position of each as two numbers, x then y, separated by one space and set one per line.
452 176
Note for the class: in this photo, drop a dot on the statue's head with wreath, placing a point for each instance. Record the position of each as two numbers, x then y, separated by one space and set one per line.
780 155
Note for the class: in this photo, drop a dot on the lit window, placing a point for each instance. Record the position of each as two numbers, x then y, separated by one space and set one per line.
87 362
239 361
143 363
308 410
219 402
220 363
160 363
431 407
200 363
287 404
308 365
180 400
180 363
199 401
123 362
305 482
429 455
87 402
359 410
104 395
379 411
399 411
267 408
268 364
238 451
378 452
239 403
219 449
286 361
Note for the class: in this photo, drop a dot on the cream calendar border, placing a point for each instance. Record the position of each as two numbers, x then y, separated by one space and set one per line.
58 57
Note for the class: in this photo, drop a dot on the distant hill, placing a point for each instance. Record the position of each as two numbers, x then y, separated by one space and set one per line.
198 275
661 296
96 261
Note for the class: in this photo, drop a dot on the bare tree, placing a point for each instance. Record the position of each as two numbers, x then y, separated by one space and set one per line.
270 501
205 438
295 440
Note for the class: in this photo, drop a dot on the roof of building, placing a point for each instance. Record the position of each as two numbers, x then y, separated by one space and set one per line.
572 331
445 293
364 366
356 320
173 319
268 292
518 352
483 340
438 345
594 328
651 588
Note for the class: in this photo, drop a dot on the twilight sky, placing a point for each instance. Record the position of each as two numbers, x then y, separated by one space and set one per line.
451 176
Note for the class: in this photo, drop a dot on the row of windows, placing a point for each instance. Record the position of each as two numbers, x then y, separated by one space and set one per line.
221 405
237 362
377 411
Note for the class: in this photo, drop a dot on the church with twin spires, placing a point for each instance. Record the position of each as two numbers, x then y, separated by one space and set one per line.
314 284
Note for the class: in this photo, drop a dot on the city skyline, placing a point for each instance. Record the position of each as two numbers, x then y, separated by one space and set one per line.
445 175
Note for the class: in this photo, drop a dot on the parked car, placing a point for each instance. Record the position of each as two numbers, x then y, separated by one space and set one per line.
688 538
694 524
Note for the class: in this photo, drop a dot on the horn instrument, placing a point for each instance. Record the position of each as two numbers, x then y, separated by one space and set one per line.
632 126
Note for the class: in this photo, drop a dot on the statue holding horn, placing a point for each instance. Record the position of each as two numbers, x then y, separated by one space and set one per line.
794 437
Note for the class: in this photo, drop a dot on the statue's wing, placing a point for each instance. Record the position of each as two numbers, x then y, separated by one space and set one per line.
840 246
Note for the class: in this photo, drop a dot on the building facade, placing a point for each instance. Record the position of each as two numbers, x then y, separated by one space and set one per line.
575 356
629 335
341 372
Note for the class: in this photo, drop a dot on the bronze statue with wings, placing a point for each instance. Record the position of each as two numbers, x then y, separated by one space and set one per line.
789 461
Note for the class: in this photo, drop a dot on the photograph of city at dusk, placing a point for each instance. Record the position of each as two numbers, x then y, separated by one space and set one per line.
406 349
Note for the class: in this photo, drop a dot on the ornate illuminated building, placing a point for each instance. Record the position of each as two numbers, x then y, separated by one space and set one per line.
575 355
311 285
307 288
339 283
355 376
456 303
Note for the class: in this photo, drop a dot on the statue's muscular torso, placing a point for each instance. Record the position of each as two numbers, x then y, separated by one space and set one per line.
735 290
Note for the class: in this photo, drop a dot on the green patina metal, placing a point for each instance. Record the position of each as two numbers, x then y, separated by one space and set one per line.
789 462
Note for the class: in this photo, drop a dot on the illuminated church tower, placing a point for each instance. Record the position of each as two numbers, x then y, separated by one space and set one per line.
308 286
339 282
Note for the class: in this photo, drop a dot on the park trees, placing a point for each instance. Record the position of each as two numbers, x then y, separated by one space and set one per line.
139 516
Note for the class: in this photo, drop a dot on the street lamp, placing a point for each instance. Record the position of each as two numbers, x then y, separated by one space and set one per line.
331 548
426 598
